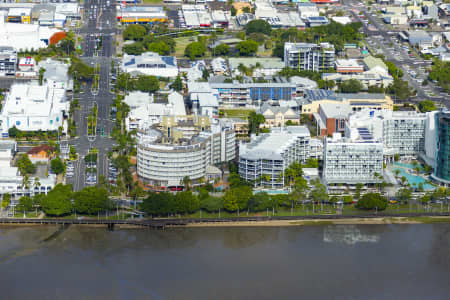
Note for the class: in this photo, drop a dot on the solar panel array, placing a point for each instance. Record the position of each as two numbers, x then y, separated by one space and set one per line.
131 62
365 134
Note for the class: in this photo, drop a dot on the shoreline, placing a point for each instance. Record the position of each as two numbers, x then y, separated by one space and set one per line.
272 223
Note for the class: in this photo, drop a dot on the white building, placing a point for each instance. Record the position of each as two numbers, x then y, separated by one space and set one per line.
11 181
367 78
401 132
25 36
150 63
308 56
307 9
32 107
358 159
144 112
165 156
264 159
27 67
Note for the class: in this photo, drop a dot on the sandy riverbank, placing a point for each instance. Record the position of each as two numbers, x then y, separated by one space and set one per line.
349 221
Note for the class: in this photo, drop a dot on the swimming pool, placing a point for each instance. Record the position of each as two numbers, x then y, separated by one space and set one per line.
408 166
272 192
414 180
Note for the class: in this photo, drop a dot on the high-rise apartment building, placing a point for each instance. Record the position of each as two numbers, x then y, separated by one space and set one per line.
308 56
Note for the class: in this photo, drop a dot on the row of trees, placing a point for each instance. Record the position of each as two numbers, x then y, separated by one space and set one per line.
145 40
143 83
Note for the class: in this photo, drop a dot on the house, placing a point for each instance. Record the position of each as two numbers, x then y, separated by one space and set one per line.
150 63
278 116
40 153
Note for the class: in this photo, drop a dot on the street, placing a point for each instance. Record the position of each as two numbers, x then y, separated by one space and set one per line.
100 25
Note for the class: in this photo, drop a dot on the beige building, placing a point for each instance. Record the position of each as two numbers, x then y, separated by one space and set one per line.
356 101
277 116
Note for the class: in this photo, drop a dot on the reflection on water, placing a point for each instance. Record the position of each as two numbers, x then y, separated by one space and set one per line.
348 234
298 262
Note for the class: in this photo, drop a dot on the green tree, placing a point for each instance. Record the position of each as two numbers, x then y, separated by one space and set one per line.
404 195
38 199
222 49
351 86
319 193
186 202
159 204
146 83
58 201
159 47
358 188
57 166
258 26
80 69
6 199
230 201
300 190
426 106
136 48
254 121
247 48
91 200
66 45
177 85
211 204
233 11
243 194
195 49
134 32
25 204
260 202
371 201
400 89
440 72
13 131
25 165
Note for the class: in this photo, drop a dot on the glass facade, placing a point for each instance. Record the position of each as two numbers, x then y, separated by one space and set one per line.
443 152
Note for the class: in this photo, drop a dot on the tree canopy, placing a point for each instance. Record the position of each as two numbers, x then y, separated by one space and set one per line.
258 26
91 200
134 32
222 49
25 165
195 49
58 201
426 106
57 166
177 85
351 86
247 48
371 201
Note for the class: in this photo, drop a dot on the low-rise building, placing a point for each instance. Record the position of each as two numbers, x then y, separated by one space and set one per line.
358 101
367 78
261 66
331 118
420 38
236 94
346 66
277 116
264 160
144 112
33 107
307 9
150 63
141 15
27 67
42 153
317 21
8 60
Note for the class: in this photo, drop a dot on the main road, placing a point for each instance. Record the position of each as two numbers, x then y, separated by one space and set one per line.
99 23
384 39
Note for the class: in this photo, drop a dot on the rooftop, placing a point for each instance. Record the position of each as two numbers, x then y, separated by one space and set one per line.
265 63
336 111
272 145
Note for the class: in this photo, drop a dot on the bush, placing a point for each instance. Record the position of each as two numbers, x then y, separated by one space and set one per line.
371 201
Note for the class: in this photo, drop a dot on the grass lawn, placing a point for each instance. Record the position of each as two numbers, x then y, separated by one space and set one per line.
30 214
153 1
181 43
237 113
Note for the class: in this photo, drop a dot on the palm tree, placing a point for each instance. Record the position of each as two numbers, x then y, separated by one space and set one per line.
187 182
396 171
36 183
26 182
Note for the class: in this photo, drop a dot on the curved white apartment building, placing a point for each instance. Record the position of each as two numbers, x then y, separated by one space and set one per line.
165 162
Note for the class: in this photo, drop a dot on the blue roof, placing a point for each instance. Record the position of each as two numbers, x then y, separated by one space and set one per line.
364 133
131 62
318 19
169 60
316 95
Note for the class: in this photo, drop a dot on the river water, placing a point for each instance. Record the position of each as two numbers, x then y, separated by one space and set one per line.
304 262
